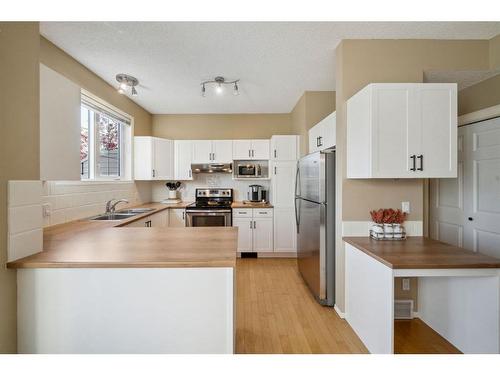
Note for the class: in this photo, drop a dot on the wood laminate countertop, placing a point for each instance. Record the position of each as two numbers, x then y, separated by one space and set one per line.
421 252
109 244
241 204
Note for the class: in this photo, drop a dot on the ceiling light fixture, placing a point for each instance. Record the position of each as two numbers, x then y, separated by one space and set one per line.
125 81
219 88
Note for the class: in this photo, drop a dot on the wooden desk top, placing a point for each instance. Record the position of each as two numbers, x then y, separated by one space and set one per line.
421 252
101 244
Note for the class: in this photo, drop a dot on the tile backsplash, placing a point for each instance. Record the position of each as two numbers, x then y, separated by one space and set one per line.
73 200
24 219
187 190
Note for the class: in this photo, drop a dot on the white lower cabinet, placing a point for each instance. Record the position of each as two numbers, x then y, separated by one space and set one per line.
157 220
255 229
285 235
177 217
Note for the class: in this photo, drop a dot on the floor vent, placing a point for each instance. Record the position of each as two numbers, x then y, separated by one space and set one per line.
403 309
249 255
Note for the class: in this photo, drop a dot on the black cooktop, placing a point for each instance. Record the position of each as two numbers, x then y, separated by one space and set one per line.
210 205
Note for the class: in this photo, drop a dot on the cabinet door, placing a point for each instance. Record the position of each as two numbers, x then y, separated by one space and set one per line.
263 235
177 217
260 149
60 107
183 157
159 219
163 159
202 152
314 134
437 131
284 147
327 131
222 151
285 232
245 230
283 183
393 116
143 158
242 149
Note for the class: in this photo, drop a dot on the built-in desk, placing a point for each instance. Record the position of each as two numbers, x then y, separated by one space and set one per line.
458 295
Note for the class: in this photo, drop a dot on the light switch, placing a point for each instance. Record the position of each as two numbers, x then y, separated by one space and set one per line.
46 209
406 284
405 207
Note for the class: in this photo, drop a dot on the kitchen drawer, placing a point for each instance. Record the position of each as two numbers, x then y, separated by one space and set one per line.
262 212
242 212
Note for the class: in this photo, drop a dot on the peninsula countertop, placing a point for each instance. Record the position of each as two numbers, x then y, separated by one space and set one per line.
101 244
421 253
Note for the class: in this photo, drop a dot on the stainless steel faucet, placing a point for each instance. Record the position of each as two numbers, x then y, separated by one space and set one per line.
110 206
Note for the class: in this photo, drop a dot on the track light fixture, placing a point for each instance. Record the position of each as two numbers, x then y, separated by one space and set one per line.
220 82
125 81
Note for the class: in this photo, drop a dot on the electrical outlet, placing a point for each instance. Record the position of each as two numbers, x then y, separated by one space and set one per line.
406 284
46 209
405 207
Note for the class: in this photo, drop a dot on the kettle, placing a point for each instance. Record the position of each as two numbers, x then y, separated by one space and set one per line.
256 193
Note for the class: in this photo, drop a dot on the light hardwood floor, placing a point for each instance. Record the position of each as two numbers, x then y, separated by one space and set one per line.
276 313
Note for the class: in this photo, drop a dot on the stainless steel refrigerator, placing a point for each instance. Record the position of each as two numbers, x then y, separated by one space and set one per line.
315 219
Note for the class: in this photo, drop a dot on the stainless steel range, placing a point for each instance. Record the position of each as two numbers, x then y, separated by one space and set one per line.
211 209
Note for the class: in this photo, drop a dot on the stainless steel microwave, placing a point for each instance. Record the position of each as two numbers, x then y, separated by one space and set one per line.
249 170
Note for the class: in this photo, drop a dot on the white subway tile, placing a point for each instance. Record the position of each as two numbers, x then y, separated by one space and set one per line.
23 193
24 218
23 244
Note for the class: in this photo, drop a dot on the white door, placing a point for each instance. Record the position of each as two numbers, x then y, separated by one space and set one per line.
176 217
477 222
183 157
284 147
242 149
163 163
393 118
245 230
447 214
285 235
202 152
283 183
260 149
327 130
263 235
314 134
222 151
437 115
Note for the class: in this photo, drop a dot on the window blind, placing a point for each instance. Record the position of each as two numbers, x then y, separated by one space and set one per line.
97 106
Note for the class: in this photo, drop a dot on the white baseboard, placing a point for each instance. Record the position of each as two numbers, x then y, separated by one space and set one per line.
280 254
340 313
362 228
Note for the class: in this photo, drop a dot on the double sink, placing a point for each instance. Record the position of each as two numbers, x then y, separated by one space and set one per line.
122 214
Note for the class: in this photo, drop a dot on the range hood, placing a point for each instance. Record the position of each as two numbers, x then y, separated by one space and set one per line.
212 168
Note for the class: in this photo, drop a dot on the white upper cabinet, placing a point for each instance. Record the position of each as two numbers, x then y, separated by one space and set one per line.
251 149
284 147
153 158
222 151
60 105
205 152
323 134
402 130
183 155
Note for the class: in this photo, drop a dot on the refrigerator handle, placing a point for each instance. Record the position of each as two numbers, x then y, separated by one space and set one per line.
297 219
297 180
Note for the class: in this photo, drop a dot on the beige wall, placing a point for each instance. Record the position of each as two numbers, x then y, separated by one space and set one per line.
19 127
359 62
228 126
311 108
61 62
479 96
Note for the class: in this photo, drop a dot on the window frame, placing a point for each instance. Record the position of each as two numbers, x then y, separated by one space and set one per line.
126 140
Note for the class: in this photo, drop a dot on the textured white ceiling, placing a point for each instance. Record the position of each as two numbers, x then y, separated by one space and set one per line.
276 61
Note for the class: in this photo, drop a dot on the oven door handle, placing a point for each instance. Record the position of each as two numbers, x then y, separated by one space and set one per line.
206 212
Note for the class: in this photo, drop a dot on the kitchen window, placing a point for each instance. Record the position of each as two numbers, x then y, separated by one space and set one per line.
105 141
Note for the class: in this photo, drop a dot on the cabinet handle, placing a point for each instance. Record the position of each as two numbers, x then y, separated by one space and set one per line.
183 215
154 174
253 153
250 224
254 224
317 141
213 155
275 170
320 141
275 154
421 157
148 223
190 173
414 163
